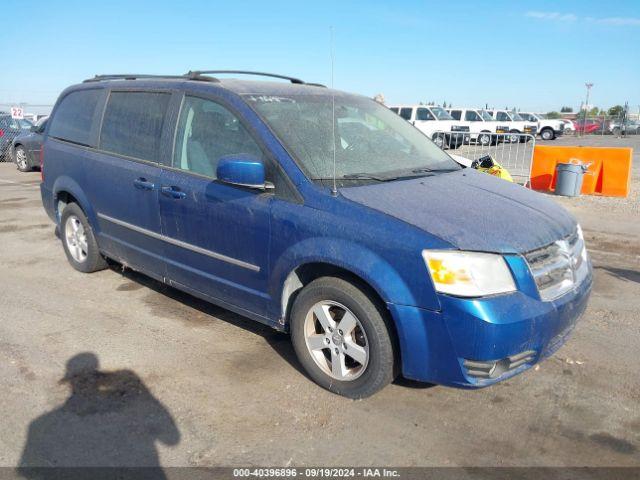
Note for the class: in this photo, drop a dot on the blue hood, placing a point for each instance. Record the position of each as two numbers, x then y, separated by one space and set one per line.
471 210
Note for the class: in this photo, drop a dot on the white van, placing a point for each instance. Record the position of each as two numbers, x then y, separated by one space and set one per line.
548 129
480 124
432 121
516 124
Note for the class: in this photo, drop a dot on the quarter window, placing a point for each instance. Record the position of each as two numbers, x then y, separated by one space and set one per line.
207 131
74 117
133 122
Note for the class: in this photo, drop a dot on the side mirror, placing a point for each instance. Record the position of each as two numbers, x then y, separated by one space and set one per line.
244 170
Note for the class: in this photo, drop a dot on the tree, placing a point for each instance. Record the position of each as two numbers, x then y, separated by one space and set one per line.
566 110
616 111
593 112
553 115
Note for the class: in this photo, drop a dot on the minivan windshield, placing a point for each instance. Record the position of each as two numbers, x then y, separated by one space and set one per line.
371 143
441 114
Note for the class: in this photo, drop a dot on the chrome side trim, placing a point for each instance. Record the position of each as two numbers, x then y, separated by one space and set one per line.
180 243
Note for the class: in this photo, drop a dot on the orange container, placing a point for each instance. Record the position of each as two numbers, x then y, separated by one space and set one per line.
609 171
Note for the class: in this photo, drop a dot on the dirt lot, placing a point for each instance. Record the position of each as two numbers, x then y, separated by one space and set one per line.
181 382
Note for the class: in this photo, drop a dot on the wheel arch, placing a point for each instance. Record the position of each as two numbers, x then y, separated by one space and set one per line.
65 191
305 273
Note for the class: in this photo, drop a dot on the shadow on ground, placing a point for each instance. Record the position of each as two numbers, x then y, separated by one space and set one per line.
624 274
110 419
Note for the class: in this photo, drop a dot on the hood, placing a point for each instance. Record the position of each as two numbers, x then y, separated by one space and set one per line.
470 210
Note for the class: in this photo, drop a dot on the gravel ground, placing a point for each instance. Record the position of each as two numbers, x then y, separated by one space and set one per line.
181 382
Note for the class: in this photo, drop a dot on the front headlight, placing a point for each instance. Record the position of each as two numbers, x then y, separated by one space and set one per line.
468 274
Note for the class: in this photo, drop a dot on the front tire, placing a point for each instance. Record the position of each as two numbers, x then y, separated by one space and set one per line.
439 140
342 339
79 242
21 159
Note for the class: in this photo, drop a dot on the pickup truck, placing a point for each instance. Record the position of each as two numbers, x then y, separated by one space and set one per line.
547 129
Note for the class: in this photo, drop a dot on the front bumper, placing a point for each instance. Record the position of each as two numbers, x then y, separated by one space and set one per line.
435 344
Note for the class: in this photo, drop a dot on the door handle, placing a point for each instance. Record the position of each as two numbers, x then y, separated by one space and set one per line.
143 184
173 192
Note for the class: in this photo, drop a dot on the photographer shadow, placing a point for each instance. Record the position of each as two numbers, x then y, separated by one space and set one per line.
111 419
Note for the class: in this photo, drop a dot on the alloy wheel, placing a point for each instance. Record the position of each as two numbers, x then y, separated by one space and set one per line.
21 159
76 239
336 340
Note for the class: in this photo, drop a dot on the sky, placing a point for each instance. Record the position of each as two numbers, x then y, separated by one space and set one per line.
528 55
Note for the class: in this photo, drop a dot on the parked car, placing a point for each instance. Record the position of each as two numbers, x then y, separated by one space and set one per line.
548 129
376 251
569 126
480 124
588 126
9 129
628 127
432 121
27 145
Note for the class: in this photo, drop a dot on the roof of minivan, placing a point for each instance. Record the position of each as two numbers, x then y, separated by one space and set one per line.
238 86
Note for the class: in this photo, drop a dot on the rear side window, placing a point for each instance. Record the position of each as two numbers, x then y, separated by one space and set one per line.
406 113
424 114
472 116
74 116
132 124
456 114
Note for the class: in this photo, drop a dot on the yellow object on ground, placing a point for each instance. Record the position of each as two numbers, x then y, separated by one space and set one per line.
497 170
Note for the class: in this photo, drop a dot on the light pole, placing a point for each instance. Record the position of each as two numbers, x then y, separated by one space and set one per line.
586 106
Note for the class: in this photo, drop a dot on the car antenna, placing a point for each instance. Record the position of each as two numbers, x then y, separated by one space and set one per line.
334 189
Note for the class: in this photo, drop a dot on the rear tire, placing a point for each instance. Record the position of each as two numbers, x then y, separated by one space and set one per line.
439 140
547 134
484 139
325 349
21 159
79 242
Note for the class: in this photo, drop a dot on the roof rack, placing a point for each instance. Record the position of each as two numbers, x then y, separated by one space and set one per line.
197 73
136 76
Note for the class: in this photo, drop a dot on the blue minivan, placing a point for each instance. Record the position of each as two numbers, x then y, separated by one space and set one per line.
319 213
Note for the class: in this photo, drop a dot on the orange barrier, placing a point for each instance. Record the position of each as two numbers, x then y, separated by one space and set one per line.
609 171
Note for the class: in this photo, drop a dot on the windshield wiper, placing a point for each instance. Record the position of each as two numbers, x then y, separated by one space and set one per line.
366 176
433 170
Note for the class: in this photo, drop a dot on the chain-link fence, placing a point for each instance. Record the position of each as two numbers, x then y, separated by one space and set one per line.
13 128
618 125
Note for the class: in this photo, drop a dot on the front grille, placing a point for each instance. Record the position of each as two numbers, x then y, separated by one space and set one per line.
496 368
558 267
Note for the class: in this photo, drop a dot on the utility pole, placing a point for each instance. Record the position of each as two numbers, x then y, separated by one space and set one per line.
586 106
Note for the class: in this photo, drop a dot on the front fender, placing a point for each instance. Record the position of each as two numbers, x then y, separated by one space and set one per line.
345 254
67 184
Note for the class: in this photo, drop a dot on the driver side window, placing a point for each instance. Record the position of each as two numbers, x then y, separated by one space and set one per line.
207 131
